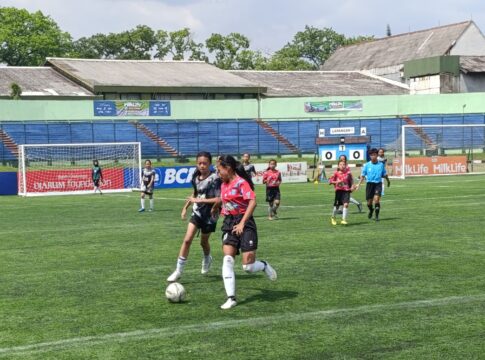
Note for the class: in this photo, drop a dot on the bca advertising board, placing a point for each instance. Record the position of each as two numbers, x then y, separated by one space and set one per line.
173 177
181 176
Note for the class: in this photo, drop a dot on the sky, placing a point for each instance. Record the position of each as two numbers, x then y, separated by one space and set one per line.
269 24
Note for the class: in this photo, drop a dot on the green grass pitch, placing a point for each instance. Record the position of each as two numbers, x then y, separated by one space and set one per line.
83 277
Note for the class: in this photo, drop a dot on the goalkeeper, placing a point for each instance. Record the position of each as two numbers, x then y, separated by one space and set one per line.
97 176
148 178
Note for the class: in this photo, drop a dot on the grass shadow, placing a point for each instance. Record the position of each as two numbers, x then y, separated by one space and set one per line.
268 295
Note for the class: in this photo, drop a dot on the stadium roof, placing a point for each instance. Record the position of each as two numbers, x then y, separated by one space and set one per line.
472 64
322 83
101 76
39 82
395 50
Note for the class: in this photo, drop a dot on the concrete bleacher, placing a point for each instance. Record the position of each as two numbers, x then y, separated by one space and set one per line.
237 136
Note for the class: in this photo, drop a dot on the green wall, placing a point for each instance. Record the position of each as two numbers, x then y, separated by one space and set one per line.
273 108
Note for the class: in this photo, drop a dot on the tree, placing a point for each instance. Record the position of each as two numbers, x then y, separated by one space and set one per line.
288 58
228 50
310 48
26 39
178 44
135 44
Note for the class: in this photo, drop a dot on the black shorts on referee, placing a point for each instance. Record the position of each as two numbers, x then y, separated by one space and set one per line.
373 189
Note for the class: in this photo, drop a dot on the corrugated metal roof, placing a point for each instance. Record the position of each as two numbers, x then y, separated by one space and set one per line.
472 64
395 50
322 83
39 81
149 73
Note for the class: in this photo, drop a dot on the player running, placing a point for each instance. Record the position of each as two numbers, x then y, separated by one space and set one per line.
342 180
272 179
148 178
373 171
381 157
343 157
207 190
97 176
239 229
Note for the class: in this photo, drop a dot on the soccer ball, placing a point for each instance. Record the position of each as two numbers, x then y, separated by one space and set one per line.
175 292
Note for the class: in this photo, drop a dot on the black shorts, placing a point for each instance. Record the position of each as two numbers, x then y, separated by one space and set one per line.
247 241
272 194
341 197
148 190
206 225
373 189
96 182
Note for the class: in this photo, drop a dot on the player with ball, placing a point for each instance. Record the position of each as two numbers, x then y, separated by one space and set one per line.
239 229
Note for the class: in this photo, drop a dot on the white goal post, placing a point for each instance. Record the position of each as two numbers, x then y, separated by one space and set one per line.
66 169
448 149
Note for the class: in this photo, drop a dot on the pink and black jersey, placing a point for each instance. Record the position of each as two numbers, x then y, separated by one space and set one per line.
272 178
342 179
236 196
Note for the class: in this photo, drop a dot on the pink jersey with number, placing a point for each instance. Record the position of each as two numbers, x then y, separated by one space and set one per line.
272 178
342 180
235 196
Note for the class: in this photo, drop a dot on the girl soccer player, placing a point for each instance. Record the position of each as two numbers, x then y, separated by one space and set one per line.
97 176
207 189
352 200
272 179
248 167
148 178
239 229
342 180
381 157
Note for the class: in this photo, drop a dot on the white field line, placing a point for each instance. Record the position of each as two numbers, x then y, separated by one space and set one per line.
168 332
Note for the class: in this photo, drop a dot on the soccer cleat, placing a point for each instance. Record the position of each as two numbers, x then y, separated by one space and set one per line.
150 209
333 220
206 264
270 272
359 206
343 222
377 218
230 303
370 214
141 210
175 276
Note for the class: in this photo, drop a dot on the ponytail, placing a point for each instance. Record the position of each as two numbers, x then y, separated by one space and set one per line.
237 167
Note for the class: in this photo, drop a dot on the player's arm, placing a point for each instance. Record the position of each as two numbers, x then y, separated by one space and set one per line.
186 206
238 229
100 174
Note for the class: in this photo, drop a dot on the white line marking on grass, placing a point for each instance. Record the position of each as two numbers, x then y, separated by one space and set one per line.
227 324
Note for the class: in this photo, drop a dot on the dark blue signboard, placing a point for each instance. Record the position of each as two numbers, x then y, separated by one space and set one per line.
159 108
104 108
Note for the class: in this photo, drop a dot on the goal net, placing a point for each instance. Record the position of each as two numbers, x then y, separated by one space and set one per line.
426 150
55 169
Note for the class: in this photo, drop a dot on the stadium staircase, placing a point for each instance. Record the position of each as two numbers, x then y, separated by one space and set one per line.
270 130
420 132
9 143
154 137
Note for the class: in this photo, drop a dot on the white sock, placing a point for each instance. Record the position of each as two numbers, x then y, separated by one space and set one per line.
142 202
254 267
334 212
181 263
152 202
353 201
344 213
228 275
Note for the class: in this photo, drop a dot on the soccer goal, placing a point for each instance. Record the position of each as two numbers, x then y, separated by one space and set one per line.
63 169
426 150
